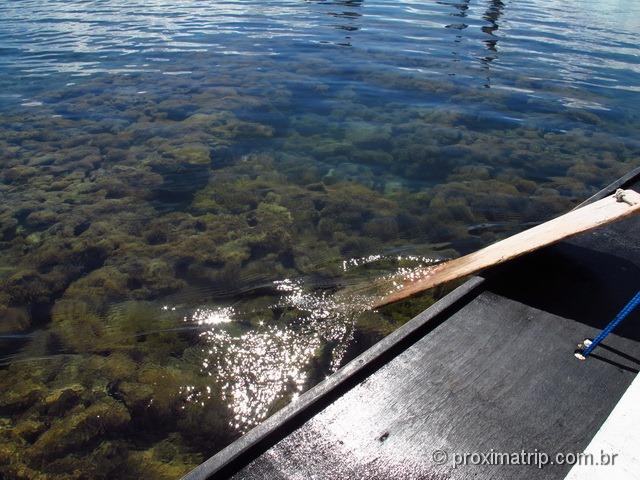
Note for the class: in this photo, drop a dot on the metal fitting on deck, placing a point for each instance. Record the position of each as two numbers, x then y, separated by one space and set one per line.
579 353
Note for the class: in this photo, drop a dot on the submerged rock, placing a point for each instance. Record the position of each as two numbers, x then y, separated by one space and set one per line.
59 401
14 320
24 394
80 426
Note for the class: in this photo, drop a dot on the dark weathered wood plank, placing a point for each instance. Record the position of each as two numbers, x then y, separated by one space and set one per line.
473 384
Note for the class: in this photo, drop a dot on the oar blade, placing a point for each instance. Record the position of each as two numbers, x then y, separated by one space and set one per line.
607 210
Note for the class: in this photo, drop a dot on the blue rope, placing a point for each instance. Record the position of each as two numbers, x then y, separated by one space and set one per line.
628 308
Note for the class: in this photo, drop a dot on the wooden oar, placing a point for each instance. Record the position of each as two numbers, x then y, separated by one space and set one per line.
623 204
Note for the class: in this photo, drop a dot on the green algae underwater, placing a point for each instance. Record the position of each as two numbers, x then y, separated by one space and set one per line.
174 240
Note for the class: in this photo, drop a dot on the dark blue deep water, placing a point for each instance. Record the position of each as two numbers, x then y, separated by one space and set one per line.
187 187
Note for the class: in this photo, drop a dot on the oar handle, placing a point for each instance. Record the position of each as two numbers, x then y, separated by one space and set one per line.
602 212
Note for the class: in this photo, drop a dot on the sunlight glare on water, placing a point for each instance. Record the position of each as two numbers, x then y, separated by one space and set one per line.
271 362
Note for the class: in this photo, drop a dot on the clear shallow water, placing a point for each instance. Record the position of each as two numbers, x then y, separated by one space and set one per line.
188 186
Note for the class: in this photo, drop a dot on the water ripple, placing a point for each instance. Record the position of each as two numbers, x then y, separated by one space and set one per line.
564 41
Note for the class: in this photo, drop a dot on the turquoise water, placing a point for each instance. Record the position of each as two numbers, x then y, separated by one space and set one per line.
187 188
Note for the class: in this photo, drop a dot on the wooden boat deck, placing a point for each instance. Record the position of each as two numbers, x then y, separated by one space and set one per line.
489 367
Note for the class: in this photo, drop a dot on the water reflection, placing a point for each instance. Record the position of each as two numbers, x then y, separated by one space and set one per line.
461 12
349 19
72 40
492 15
461 7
